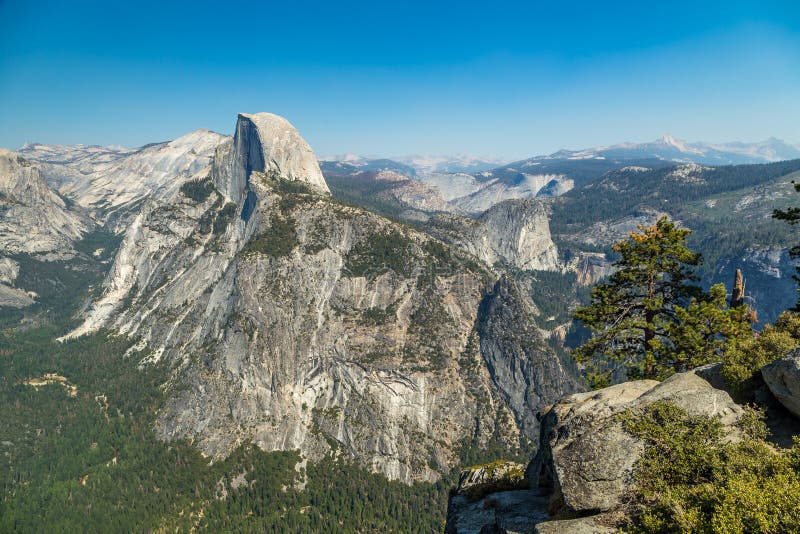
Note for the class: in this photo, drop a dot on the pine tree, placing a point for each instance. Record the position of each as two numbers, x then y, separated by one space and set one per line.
650 319
704 328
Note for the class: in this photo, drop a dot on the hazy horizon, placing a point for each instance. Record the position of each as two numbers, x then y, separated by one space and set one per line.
354 154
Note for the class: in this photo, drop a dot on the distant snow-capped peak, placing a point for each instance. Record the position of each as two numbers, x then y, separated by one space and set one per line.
352 159
677 144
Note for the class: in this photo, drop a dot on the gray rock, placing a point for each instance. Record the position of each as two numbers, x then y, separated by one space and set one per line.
33 218
589 267
492 477
13 297
515 355
270 144
523 185
514 232
505 512
587 457
712 373
112 183
9 270
581 525
416 195
783 379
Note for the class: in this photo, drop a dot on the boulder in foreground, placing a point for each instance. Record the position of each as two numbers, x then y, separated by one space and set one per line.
783 380
586 458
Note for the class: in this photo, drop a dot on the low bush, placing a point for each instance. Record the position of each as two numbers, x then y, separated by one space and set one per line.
198 190
278 241
691 479
744 357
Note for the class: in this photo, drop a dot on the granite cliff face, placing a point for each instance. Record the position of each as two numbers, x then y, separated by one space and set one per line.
419 197
268 144
511 347
37 227
496 189
33 219
514 233
297 322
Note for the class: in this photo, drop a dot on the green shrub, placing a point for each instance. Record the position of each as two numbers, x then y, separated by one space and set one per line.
681 449
744 357
224 218
198 190
380 252
690 479
377 316
278 241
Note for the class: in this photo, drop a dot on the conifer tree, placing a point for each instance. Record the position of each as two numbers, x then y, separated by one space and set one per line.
792 217
650 319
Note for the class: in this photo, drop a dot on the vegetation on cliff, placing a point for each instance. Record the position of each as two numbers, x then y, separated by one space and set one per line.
198 190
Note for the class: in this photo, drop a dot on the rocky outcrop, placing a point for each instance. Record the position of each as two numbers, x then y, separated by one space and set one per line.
606 233
504 512
494 498
296 322
33 218
587 458
9 270
269 144
414 194
496 476
581 525
520 185
11 296
589 267
783 380
452 185
514 233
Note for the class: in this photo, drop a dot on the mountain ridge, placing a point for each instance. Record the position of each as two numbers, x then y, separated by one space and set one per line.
296 322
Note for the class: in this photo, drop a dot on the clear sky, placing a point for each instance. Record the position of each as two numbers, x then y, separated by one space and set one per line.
508 79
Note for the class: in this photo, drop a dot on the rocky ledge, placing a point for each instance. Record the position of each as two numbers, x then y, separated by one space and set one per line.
585 463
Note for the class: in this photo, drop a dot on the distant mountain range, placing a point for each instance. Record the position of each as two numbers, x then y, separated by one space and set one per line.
666 148
420 164
672 149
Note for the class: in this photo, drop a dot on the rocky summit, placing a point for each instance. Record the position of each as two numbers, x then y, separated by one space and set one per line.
295 322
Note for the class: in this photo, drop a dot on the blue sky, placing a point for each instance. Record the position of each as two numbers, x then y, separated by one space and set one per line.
508 79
